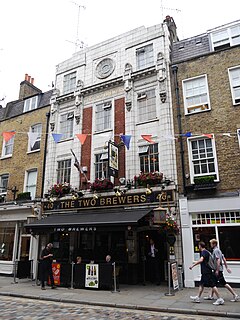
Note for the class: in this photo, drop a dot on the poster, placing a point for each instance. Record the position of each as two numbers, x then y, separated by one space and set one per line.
112 159
91 277
56 267
174 275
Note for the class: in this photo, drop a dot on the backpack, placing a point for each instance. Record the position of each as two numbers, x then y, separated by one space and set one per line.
212 262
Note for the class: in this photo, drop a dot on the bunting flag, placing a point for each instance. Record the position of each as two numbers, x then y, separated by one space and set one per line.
7 135
76 163
32 136
147 137
126 140
82 137
57 137
209 135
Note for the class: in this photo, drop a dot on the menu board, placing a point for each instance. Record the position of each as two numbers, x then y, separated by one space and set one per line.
92 276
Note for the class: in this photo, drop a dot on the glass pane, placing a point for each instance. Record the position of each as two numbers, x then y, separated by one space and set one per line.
229 242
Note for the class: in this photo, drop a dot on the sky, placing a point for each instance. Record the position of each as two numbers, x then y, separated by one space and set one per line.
36 35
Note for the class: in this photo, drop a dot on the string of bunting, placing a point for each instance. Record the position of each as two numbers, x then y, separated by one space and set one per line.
126 139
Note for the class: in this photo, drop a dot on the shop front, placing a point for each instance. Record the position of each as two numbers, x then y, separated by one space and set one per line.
91 233
205 219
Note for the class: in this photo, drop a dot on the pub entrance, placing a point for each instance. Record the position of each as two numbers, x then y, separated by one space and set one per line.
147 275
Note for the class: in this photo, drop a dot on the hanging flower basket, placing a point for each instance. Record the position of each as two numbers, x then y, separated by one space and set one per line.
101 185
60 189
148 178
171 226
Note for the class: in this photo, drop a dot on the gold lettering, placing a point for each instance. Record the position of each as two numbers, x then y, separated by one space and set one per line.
115 200
72 204
122 200
67 204
136 198
108 201
143 198
129 199
93 202
86 202
102 201
80 203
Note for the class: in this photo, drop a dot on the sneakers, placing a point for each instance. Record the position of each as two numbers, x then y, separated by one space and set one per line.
235 298
43 288
208 298
218 302
195 299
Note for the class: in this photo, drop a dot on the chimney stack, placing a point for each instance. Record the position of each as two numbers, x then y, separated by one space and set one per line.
27 88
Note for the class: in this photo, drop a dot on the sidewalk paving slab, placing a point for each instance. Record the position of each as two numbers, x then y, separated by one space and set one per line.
149 297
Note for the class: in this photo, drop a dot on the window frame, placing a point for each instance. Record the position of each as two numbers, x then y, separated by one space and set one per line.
146 100
238 134
32 188
66 122
99 163
151 150
2 178
230 70
30 104
64 172
38 140
191 160
228 40
103 111
8 144
69 85
144 60
201 106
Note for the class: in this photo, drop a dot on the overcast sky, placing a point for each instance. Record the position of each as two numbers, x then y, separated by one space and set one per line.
36 35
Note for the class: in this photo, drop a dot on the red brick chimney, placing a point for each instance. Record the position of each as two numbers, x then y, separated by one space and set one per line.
27 88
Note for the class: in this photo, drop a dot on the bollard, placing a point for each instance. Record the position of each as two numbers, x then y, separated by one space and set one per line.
72 275
114 278
169 293
14 271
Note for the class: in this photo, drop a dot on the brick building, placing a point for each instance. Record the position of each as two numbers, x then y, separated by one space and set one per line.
206 106
21 171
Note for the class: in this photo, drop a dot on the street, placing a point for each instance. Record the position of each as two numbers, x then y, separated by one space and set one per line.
20 308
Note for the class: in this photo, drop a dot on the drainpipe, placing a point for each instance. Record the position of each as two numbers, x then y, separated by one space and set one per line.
45 153
178 104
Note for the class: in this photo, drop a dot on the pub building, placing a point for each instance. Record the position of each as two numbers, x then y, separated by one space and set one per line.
94 227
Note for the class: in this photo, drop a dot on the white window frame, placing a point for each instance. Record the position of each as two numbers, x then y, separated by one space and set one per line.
66 125
191 159
145 153
234 86
35 128
8 144
146 105
31 186
200 92
103 116
4 177
69 82
238 134
145 56
64 171
30 104
230 37
100 160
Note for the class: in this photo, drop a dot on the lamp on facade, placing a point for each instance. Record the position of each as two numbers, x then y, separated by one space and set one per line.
148 190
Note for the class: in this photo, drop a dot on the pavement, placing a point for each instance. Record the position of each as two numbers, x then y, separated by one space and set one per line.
149 297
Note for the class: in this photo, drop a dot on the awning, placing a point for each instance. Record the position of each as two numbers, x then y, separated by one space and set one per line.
91 218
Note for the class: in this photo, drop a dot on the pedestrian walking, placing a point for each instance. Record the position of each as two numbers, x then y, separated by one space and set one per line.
220 260
208 278
46 266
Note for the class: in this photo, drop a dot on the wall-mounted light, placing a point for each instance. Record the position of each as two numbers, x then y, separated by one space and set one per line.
148 190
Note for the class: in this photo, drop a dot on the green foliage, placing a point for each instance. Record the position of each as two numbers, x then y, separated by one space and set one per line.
204 179
24 196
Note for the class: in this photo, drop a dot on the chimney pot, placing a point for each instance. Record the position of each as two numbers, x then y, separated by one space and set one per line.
29 78
26 76
32 80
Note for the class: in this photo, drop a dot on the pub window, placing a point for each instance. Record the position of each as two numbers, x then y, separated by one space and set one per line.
149 158
101 165
66 125
145 57
146 104
64 171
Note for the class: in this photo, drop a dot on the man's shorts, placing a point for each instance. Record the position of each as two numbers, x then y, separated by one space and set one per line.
208 280
220 279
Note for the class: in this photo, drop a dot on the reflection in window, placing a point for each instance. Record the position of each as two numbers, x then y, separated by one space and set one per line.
203 234
7 232
149 158
101 166
229 242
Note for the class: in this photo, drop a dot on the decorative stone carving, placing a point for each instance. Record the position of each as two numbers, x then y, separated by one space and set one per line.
105 68
128 86
161 76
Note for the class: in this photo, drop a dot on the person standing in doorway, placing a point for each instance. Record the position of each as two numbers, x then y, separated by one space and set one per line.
220 260
208 279
46 266
154 265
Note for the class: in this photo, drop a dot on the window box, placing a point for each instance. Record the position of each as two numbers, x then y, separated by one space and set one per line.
24 196
204 183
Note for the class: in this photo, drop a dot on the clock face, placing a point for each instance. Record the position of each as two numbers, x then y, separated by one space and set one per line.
105 68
